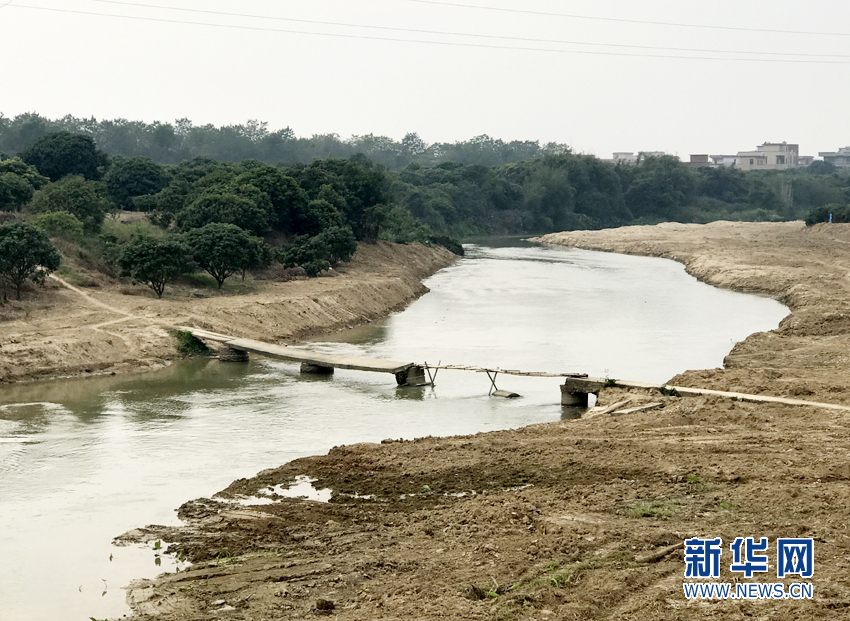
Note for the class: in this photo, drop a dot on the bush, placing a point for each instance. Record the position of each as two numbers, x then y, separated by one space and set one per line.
84 199
190 345
449 243
59 224
840 213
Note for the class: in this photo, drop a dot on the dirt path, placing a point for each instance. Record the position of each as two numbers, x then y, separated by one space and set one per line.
579 519
66 330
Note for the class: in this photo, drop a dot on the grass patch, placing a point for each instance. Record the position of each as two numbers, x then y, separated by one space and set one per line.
661 510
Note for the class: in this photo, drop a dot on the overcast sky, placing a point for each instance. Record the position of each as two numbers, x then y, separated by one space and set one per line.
274 60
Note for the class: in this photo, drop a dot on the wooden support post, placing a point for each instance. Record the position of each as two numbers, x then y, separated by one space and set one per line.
316 369
230 354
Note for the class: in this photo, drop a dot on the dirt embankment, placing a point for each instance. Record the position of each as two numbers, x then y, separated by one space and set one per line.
580 519
805 268
67 331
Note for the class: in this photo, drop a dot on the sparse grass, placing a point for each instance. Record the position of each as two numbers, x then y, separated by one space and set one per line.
662 510
698 486
572 573
123 232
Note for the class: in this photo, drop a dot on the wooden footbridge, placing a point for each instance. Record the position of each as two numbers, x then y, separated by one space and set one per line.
575 390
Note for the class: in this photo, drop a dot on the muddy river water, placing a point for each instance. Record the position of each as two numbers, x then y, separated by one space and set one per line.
82 461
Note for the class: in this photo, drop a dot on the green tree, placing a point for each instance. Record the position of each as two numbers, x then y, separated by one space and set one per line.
59 224
154 262
25 254
84 199
18 182
129 177
63 153
14 192
320 252
223 250
227 208
28 173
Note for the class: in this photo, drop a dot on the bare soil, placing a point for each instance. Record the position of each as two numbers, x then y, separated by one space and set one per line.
65 330
580 519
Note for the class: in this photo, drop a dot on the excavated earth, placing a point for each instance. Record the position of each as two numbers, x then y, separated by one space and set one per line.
579 519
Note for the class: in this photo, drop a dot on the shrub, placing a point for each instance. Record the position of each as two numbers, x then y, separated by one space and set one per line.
190 345
59 224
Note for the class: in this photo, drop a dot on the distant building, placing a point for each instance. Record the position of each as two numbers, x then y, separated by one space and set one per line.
628 157
805 160
769 156
724 160
840 158
700 160
624 157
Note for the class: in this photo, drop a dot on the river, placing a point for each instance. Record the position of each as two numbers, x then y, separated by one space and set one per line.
84 460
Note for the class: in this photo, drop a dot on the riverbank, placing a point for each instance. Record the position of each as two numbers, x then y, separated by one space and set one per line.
577 519
66 331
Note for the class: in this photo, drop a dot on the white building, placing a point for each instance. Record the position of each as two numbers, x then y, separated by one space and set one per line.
724 160
840 158
769 156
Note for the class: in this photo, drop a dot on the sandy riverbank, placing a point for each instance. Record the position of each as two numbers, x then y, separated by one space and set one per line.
65 331
577 519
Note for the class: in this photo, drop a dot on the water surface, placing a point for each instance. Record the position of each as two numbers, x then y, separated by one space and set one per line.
82 461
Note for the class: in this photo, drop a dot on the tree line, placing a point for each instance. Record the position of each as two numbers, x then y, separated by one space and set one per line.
225 217
172 143
220 217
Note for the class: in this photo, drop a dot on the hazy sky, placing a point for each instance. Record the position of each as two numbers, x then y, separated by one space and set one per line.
274 60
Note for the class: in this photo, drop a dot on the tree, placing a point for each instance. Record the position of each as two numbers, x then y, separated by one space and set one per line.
154 262
14 192
318 253
28 173
18 182
222 250
84 199
227 208
63 153
129 177
25 254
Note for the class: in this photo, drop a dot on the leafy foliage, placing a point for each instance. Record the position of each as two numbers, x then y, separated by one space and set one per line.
130 177
154 261
59 224
320 252
228 208
59 154
25 254
190 345
840 213
84 199
224 249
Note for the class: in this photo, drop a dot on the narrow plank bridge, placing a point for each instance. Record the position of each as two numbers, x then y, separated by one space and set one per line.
575 390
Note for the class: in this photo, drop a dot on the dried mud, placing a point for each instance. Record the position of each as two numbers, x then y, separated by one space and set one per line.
580 519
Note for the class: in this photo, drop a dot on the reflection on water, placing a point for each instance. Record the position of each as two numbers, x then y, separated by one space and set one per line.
84 460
